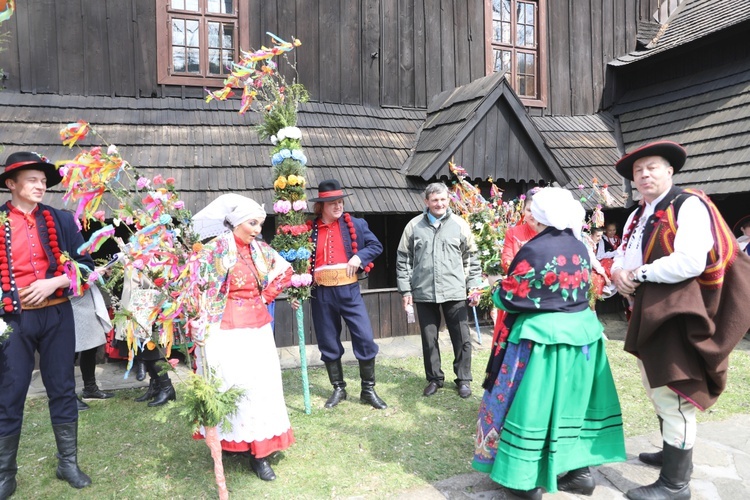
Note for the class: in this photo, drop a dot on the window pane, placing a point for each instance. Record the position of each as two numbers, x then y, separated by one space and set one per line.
192 33
178 59
520 41
178 32
213 34
506 10
213 62
228 38
193 61
221 6
529 14
178 4
505 36
520 13
502 60
227 57
191 5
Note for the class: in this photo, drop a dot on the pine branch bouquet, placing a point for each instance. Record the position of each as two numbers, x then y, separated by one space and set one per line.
266 90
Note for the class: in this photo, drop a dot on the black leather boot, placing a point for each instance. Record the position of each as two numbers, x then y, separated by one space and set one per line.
8 466
674 479
262 468
66 436
578 481
153 389
336 376
140 370
166 391
368 395
657 458
535 494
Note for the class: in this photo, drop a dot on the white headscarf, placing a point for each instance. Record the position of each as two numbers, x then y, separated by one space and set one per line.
231 208
556 207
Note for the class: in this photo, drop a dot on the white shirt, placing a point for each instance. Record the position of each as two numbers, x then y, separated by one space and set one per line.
601 253
692 243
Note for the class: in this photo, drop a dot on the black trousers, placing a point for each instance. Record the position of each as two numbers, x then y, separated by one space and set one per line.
51 331
457 320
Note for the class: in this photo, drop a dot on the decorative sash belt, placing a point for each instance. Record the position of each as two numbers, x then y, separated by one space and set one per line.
333 277
44 303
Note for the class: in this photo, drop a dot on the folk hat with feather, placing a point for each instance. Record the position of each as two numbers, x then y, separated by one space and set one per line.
26 160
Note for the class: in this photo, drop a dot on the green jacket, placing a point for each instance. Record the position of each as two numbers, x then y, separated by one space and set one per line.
437 264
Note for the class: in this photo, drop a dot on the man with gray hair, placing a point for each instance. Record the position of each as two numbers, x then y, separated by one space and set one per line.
436 264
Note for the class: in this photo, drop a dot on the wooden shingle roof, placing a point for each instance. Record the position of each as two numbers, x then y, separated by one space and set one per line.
480 123
586 148
708 113
210 149
692 20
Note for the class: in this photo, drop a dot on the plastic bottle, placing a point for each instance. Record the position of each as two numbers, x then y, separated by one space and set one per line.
410 314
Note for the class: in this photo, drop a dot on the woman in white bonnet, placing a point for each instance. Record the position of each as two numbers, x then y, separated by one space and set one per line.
550 405
244 275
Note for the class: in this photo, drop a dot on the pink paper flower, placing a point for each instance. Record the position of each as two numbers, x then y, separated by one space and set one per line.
179 204
299 205
282 207
99 215
158 180
142 182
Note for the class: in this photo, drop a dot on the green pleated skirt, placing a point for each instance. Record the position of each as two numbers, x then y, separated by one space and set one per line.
565 415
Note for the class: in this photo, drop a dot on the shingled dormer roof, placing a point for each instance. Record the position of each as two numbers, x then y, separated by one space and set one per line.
691 21
484 126
210 149
586 149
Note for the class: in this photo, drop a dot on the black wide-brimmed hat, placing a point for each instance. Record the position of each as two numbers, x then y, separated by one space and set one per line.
671 151
329 190
737 229
25 160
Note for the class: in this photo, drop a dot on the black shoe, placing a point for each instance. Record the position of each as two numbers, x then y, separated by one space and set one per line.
8 465
336 376
674 478
81 405
368 394
262 468
153 389
66 436
535 494
464 390
95 393
578 481
140 370
656 459
338 395
431 388
166 392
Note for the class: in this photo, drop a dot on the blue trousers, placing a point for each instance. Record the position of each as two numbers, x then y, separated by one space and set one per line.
331 304
51 331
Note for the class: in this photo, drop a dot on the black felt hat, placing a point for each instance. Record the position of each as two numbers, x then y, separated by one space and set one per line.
671 151
25 160
329 190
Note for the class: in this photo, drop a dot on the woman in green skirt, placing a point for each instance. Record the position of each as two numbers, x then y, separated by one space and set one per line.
550 405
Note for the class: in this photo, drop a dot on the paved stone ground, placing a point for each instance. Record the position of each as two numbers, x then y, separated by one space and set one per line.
721 459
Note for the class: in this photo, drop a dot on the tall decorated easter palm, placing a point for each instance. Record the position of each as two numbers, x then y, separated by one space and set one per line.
266 90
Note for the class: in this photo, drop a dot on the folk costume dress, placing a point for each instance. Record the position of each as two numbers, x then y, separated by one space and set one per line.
239 342
550 403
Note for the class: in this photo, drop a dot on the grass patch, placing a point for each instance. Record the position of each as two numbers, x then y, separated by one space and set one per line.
352 450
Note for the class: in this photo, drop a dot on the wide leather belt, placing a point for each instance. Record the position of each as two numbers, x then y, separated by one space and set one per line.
44 303
333 277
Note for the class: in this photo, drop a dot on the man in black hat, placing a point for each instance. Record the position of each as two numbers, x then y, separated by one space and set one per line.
342 247
35 306
688 287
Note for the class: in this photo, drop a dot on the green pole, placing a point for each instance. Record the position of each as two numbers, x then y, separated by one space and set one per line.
303 357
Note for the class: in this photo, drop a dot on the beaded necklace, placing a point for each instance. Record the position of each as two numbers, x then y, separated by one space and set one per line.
47 232
352 234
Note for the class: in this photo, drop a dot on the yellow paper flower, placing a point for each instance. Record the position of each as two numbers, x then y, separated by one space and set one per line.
280 182
292 180
301 181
